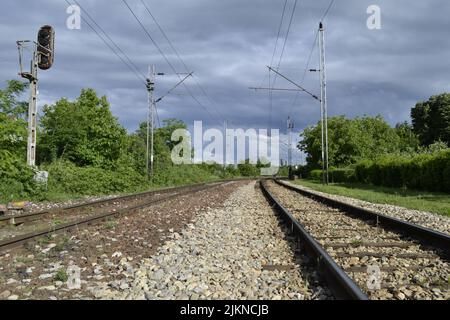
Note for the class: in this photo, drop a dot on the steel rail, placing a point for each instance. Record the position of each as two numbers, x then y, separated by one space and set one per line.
343 287
19 240
427 236
35 215
29 217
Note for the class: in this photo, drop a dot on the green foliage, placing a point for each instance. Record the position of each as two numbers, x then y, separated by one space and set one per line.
409 142
66 177
431 119
416 200
62 275
84 132
16 178
342 175
13 127
353 140
246 169
316 175
429 172
363 171
9 99
13 134
336 175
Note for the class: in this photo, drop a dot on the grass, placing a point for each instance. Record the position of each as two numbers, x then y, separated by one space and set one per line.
111 224
423 201
62 276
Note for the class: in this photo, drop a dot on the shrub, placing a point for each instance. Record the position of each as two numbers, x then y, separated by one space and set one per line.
430 172
342 175
363 171
316 175
16 178
66 177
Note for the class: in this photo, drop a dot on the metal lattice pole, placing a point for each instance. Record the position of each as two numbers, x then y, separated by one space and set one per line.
290 126
32 112
150 121
324 105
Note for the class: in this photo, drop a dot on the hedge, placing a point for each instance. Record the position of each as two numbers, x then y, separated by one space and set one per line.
336 175
422 172
342 175
316 175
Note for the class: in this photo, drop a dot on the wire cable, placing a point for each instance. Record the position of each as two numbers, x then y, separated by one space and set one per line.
165 58
327 11
109 46
179 56
281 59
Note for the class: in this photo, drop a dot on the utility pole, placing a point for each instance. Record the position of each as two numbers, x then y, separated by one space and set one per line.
151 80
150 121
42 58
32 112
225 128
290 127
324 105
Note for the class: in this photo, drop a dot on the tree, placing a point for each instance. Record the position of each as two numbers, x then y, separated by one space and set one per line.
246 169
409 142
13 127
84 132
163 145
350 141
10 105
431 120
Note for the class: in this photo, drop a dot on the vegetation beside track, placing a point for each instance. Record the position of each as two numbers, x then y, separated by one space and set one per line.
423 201
88 152
368 150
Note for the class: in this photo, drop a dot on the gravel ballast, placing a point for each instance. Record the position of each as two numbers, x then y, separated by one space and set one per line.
407 270
425 219
238 251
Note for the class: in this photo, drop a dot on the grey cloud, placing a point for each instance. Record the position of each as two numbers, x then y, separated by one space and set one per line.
229 43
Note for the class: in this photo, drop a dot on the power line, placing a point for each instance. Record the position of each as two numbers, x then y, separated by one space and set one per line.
287 35
270 94
165 57
179 56
305 71
327 11
280 60
279 32
108 45
112 41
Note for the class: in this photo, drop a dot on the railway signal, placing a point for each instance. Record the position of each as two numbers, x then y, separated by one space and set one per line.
45 47
42 58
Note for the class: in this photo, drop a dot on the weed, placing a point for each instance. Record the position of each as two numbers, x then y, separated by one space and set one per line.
61 275
111 224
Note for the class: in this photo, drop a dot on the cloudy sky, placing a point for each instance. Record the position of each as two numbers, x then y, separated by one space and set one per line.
228 44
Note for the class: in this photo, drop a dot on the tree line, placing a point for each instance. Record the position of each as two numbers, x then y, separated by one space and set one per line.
87 151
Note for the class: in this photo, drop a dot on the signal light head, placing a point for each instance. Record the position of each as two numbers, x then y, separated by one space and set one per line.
45 48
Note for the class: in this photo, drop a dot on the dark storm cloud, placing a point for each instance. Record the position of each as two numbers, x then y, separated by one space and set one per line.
229 43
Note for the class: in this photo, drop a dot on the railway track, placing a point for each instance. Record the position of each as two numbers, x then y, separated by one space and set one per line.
362 254
41 223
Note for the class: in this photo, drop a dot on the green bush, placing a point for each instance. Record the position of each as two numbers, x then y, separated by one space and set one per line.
363 171
429 172
342 175
316 175
16 178
66 177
